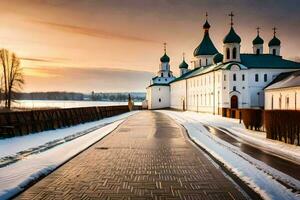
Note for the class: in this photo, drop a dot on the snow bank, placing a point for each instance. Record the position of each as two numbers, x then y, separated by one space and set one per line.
255 173
14 177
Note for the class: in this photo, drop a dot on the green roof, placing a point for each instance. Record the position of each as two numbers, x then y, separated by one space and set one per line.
248 61
183 64
258 40
165 58
158 84
206 47
267 61
274 42
218 58
232 37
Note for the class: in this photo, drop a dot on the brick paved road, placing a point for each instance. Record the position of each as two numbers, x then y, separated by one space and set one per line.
147 157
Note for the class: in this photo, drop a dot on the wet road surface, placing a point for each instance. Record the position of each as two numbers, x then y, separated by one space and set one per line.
285 166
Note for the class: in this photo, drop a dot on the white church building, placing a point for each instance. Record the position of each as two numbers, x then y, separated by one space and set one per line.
219 83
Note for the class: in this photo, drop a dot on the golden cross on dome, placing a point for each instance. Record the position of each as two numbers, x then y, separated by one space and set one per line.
231 15
206 15
274 29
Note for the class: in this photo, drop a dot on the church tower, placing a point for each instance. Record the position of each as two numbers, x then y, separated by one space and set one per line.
274 44
183 66
231 45
258 44
206 49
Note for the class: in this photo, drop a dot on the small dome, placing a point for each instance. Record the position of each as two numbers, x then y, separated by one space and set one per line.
183 65
165 58
206 25
232 37
217 58
274 42
258 40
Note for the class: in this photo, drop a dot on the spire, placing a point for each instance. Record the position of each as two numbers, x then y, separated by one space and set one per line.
232 37
274 41
183 64
258 39
165 57
231 15
206 25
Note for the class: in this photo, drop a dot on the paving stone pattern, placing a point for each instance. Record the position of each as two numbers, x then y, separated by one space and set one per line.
146 157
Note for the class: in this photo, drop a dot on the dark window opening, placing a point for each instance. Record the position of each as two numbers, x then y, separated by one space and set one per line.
274 52
234 88
206 61
162 74
234 53
159 99
243 77
234 77
257 51
227 53
265 77
256 77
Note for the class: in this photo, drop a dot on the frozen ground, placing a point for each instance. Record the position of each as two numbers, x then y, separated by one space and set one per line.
42 152
267 181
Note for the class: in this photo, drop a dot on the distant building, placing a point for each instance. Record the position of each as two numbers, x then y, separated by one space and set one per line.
219 83
284 92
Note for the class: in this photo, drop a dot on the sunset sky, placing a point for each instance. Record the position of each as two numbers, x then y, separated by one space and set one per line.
115 45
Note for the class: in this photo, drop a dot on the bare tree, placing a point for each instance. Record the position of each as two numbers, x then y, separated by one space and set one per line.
12 75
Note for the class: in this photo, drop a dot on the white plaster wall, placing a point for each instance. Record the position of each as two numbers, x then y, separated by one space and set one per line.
156 93
290 99
178 94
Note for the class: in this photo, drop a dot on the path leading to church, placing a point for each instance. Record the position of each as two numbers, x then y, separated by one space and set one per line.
146 157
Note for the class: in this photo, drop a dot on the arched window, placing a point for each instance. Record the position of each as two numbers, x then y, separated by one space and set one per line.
256 77
272 103
162 74
206 62
274 52
265 77
234 53
227 53
169 74
234 77
159 99
257 51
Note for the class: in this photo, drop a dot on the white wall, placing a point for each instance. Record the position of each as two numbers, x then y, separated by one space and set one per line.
178 95
158 97
290 99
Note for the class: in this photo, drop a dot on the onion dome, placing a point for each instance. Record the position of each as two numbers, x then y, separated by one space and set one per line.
165 58
217 58
206 47
274 42
258 40
183 65
232 37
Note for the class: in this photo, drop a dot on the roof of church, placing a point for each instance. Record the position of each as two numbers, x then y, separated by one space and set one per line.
258 40
206 47
165 58
159 84
274 41
248 61
285 80
183 64
232 37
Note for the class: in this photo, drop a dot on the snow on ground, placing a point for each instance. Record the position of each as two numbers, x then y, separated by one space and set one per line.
256 138
14 177
258 175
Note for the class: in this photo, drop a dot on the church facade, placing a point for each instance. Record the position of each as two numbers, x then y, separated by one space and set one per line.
220 81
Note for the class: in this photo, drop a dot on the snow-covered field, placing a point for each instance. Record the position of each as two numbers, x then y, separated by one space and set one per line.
261 177
47 150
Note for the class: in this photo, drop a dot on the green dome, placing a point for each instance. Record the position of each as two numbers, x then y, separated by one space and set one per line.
217 58
274 42
232 37
165 58
258 40
183 65
206 47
